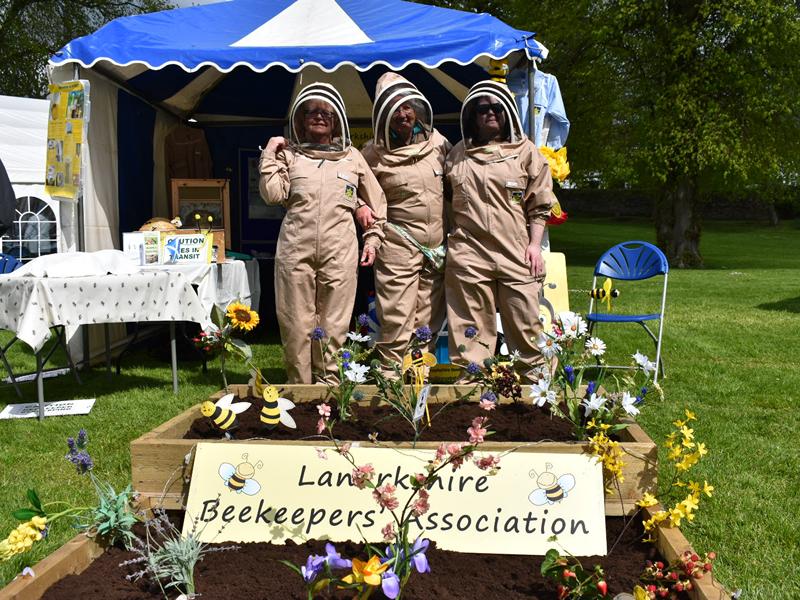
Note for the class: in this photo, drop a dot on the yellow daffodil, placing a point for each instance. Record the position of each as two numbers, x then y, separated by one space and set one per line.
694 487
690 415
368 572
690 504
701 449
707 489
675 515
242 317
647 500
679 423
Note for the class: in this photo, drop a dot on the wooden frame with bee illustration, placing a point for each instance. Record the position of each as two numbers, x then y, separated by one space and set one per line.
206 197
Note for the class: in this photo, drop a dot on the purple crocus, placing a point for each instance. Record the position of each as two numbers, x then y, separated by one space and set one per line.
313 567
470 332
423 334
317 334
334 559
418 558
390 584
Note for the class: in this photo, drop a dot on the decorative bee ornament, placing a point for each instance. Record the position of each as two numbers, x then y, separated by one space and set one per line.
550 488
223 413
418 362
240 479
605 293
274 409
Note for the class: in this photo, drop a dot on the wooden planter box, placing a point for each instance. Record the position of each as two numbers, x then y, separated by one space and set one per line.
77 554
161 459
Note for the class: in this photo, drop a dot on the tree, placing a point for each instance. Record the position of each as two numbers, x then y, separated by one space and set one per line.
31 31
687 98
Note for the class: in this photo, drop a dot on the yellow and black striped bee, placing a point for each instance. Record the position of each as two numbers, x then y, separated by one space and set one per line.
605 293
498 70
274 409
418 362
239 479
550 489
223 413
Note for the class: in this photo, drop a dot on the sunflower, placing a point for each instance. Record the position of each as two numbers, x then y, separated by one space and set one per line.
242 317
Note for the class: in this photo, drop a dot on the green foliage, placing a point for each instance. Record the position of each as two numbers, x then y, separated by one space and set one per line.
33 30
572 579
113 517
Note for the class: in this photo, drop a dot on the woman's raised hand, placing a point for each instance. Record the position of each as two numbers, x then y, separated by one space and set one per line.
276 144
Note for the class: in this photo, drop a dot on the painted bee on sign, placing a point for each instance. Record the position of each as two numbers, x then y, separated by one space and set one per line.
239 479
550 488
223 413
605 293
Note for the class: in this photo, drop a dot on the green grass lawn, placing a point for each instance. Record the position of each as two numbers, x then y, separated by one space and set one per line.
731 352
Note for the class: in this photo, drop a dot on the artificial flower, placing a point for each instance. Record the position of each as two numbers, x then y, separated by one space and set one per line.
385 497
242 317
357 337
596 346
423 334
368 572
548 346
572 324
470 332
317 334
592 404
334 560
388 532
477 431
390 584
628 404
557 161
647 500
356 372
363 474
418 558
644 363
541 393
324 410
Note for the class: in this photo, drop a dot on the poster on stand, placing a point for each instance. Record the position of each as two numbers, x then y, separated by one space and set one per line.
67 124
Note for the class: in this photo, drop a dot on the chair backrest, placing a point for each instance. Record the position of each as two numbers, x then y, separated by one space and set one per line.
632 261
8 263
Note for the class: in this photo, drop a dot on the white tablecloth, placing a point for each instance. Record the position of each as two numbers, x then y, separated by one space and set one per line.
29 306
218 284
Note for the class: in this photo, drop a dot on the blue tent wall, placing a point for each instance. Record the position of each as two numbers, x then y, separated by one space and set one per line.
135 125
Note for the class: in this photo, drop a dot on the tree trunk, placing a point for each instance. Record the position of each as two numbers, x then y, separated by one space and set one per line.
678 223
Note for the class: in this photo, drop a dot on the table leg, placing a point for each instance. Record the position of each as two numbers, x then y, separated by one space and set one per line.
108 349
174 352
40 384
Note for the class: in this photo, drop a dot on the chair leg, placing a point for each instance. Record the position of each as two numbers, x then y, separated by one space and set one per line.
8 366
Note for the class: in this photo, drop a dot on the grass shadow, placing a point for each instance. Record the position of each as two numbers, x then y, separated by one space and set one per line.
787 305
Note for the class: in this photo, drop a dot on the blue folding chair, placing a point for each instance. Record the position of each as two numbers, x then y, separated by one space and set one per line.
633 261
8 263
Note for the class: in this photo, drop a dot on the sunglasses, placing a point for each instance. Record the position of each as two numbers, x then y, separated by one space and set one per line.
322 114
495 107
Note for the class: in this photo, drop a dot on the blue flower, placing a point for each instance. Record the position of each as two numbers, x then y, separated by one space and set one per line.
590 388
424 334
489 395
334 559
390 584
641 396
82 441
346 355
345 365
313 567
569 371
473 368
82 461
363 320
358 395
470 332
71 445
418 557
317 334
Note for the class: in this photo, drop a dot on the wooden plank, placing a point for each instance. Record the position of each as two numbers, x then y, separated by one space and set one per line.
671 543
72 558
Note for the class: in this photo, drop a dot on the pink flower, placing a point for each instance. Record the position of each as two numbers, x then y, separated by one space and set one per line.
477 431
421 505
344 449
421 478
389 533
321 453
324 410
441 452
453 449
363 474
321 425
487 405
385 497
487 463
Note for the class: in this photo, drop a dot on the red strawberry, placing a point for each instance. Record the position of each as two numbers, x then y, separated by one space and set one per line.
602 587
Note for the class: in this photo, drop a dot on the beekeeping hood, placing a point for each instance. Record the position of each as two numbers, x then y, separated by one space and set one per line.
391 92
340 137
513 131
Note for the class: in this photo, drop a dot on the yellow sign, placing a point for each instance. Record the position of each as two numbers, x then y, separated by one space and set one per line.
243 492
66 137
554 290
359 136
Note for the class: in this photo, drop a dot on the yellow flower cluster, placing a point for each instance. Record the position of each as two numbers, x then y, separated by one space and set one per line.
684 452
608 452
22 538
559 167
242 317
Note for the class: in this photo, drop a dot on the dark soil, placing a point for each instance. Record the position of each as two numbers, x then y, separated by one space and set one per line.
252 573
511 423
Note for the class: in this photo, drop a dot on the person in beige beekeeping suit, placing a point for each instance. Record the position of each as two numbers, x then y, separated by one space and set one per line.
501 193
321 180
407 157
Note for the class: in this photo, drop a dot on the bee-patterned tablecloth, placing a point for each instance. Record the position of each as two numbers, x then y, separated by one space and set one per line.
30 306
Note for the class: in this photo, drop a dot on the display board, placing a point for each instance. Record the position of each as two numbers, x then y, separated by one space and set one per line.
67 127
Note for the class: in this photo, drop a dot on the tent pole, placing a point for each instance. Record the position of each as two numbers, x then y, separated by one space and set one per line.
531 96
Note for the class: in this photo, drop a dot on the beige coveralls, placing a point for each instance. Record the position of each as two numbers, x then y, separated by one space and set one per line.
497 190
316 260
409 291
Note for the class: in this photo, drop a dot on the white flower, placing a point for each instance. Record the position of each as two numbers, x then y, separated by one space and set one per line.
596 346
644 363
357 337
593 404
572 323
628 403
356 373
541 393
548 346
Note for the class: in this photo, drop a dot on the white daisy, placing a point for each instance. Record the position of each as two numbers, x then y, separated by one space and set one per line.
548 346
628 403
644 363
593 404
357 337
541 393
572 323
356 373
596 346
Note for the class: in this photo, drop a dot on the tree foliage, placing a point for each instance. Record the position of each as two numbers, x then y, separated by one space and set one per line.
32 30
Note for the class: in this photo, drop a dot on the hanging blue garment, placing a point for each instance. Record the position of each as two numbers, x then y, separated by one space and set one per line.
551 117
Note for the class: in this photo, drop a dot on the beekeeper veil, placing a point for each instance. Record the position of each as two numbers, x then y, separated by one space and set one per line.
399 104
513 126
317 96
